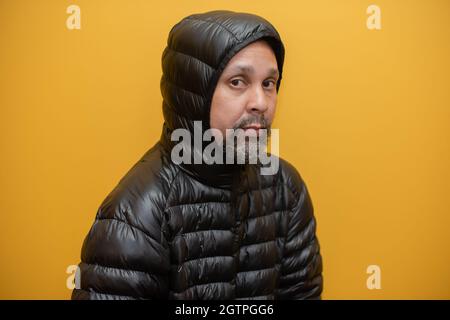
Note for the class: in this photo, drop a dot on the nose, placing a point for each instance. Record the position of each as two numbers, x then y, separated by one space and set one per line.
258 101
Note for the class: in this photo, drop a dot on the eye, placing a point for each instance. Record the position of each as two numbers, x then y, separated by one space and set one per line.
237 83
269 84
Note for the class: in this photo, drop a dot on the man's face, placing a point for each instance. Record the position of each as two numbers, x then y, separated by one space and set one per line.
245 96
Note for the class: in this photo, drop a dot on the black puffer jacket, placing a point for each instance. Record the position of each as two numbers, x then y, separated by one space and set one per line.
172 231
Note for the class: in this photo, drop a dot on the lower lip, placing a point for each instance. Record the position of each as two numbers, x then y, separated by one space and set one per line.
252 131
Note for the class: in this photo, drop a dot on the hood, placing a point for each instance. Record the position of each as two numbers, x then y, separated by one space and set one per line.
198 49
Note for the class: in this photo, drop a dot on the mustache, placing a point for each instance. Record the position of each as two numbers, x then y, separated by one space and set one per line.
254 119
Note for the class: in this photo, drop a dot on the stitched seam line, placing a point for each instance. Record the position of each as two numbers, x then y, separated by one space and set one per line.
92 291
197 203
263 269
192 57
203 258
132 227
216 23
202 284
181 88
123 269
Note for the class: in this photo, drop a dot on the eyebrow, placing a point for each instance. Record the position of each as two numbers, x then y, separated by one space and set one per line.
249 69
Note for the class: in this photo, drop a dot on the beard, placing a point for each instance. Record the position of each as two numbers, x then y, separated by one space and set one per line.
246 145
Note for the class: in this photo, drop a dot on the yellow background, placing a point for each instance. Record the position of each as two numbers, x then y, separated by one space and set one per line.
364 115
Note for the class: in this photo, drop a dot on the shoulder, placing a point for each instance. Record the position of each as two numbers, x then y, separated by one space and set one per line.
127 232
291 177
293 181
139 197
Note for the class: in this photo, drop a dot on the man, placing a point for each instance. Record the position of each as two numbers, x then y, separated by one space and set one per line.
194 230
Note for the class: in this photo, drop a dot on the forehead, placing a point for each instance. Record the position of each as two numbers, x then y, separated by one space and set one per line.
256 53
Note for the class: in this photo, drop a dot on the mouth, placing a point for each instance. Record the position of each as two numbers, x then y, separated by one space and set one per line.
253 130
255 127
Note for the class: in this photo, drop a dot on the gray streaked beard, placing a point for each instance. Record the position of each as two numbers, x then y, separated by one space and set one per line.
249 150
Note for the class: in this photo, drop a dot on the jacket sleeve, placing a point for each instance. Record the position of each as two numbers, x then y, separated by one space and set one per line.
125 254
301 268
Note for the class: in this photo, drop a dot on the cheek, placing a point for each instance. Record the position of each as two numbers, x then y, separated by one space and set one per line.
226 109
270 113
